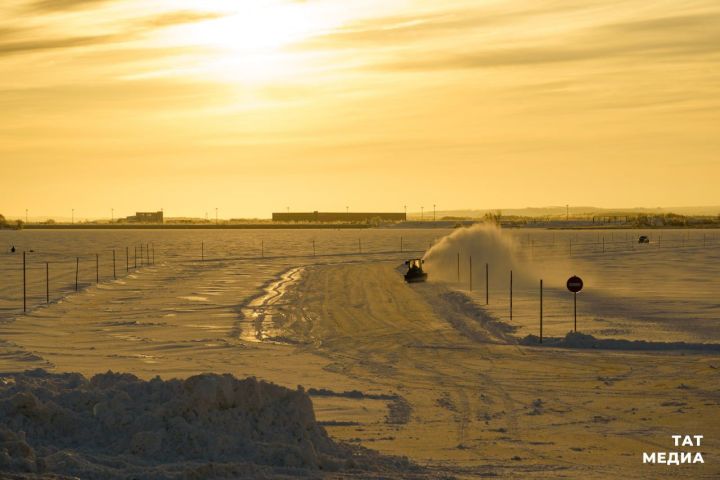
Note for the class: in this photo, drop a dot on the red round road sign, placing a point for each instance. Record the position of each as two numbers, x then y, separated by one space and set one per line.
574 284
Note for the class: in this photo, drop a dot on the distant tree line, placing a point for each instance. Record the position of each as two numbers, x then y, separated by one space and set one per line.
4 223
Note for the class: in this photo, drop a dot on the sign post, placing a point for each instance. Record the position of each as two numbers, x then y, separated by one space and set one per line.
575 284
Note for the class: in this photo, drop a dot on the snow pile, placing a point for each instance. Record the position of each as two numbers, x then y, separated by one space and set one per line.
118 426
582 340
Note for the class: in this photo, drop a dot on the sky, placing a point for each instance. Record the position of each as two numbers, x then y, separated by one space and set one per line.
255 106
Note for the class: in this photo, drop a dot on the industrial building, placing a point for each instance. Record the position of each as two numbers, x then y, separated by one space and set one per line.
350 217
146 217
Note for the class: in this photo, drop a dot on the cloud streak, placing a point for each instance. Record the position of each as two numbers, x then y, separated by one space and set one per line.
674 37
179 17
38 45
61 5
14 41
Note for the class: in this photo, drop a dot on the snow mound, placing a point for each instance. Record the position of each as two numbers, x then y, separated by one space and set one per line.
119 426
582 340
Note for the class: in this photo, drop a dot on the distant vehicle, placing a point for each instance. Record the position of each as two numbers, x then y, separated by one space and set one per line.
644 239
415 272
12 249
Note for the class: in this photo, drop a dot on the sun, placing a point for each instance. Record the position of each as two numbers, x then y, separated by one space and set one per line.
258 26
248 41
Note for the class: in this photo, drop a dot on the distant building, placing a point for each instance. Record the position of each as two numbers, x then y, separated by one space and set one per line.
146 217
355 217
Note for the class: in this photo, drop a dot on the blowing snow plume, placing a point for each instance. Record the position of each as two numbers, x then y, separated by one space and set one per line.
485 243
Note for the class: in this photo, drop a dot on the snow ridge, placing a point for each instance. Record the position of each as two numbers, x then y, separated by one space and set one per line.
116 425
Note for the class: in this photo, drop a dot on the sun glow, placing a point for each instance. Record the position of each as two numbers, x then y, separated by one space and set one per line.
258 27
248 41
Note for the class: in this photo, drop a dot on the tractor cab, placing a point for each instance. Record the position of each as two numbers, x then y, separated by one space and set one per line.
415 272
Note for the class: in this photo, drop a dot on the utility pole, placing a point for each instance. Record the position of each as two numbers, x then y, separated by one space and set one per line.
422 213
433 212
567 213
26 215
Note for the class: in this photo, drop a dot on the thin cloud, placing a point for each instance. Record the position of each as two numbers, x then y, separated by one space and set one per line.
10 48
12 42
179 18
401 28
669 38
60 5
687 23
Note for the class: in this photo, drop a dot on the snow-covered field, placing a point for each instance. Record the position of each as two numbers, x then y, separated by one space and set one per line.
425 371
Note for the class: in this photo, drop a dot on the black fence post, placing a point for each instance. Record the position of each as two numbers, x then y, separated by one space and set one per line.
541 310
511 293
24 283
487 284
458 267
471 273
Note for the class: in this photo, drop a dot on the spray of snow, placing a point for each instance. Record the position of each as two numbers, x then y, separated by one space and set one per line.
486 244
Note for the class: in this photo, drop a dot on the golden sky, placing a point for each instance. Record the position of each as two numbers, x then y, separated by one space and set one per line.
252 105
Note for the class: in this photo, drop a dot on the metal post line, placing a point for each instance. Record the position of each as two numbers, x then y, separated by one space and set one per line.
25 265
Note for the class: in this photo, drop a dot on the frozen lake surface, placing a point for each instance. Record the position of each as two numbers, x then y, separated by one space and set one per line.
411 370
666 290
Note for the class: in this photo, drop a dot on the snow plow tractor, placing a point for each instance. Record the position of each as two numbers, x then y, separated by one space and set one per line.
415 272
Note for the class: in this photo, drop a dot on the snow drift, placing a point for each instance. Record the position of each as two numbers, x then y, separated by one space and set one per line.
118 426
